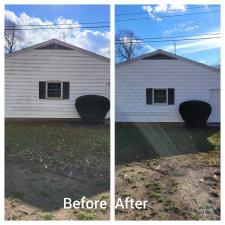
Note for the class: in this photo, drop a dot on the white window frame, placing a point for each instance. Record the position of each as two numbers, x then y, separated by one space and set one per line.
54 81
153 96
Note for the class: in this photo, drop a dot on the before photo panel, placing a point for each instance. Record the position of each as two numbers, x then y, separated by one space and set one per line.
57 132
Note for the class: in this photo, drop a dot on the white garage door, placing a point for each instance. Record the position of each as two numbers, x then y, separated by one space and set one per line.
214 100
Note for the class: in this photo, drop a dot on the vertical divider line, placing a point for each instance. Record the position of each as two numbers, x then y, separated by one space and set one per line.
112 112
2 113
222 108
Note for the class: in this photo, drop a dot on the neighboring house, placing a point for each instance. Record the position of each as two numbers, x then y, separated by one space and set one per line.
44 80
150 88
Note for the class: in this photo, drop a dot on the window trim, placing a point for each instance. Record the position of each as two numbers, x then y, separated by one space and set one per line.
61 85
153 96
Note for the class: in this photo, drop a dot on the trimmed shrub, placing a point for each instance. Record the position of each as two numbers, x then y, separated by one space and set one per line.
92 108
195 113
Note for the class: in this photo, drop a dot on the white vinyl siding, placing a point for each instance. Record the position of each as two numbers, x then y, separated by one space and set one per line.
214 100
85 73
190 81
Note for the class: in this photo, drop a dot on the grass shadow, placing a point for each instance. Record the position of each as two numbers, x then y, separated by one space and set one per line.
45 162
141 141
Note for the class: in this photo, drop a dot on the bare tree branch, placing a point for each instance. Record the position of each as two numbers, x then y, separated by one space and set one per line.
12 36
128 45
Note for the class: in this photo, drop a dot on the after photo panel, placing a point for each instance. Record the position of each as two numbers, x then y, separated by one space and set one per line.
167 101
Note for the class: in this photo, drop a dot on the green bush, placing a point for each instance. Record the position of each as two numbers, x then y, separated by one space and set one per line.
195 113
92 108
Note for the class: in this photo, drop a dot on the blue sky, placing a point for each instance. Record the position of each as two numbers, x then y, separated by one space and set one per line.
52 12
205 51
92 39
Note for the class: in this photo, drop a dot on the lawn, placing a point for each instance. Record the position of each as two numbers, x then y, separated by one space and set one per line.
177 169
46 162
137 141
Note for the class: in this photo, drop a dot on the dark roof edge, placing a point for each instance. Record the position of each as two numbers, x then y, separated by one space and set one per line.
72 47
168 54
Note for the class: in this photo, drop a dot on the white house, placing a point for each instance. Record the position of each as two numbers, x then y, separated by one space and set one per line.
150 88
44 80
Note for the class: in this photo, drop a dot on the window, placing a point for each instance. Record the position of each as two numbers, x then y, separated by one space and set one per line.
160 96
54 90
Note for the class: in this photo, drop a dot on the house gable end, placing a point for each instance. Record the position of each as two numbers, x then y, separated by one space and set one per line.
56 44
167 54
53 46
159 56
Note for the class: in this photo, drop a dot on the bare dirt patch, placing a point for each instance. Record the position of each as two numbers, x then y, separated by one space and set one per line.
177 187
186 190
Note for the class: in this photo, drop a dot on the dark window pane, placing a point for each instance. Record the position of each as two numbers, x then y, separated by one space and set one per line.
54 85
159 96
54 90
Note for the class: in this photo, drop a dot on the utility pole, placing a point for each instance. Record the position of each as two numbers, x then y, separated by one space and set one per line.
174 45
64 36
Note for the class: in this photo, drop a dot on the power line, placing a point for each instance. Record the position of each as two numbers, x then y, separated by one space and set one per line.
169 16
58 28
170 10
171 40
106 22
54 24
185 39
179 36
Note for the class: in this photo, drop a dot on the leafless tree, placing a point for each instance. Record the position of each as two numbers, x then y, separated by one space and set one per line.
12 36
128 45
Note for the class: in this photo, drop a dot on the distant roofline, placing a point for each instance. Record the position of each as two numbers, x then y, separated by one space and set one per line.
55 41
170 55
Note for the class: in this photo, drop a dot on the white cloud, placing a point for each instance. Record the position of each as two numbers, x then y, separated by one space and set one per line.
147 8
162 8
96 41
194 46
148 48
178 7
144 48
182 27
158 19
150 12
11 16
104 51
207 8
130 40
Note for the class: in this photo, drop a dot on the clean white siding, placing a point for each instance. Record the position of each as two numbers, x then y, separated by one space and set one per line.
87 75
190 81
